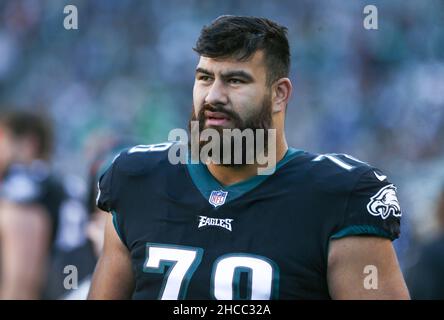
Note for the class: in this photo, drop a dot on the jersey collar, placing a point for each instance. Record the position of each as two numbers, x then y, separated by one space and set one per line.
206 183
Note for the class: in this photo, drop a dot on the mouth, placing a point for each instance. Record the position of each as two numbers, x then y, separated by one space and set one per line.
216 119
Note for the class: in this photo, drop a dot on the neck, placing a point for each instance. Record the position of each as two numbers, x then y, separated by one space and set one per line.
229 175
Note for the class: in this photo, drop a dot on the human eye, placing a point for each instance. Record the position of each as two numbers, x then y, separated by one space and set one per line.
204 78
235 81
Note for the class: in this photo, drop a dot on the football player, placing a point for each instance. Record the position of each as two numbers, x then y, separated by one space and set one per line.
84 256
30 201
319 227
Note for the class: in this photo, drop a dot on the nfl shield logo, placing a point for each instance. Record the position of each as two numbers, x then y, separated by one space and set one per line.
217 198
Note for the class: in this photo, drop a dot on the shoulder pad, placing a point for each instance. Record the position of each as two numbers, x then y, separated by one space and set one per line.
340 163
339 171
142 158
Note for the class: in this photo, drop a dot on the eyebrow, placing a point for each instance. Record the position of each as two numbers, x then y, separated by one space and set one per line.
234 73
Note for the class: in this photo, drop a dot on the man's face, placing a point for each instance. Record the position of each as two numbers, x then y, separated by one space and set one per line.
227 87
231 94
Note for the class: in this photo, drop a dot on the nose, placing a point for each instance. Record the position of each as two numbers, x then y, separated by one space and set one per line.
217 94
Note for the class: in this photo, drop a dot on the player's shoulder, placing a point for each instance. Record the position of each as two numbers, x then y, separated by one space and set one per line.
338 170
141 159
150 163
365 200
339 163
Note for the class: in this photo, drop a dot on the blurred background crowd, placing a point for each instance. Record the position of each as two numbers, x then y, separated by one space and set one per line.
125 76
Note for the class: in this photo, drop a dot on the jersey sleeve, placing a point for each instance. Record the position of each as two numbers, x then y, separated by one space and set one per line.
108 184
105 197
372 208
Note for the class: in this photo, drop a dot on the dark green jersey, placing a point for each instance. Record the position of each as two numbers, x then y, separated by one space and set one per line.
263 238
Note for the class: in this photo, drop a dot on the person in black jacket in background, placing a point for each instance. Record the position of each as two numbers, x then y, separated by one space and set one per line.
31 198
63 283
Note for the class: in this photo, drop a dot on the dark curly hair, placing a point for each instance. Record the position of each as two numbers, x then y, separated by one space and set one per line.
240 37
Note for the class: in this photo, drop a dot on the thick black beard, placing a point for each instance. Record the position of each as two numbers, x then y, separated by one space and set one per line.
261 120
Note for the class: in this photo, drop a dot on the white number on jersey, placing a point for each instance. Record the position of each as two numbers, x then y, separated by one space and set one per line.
225 279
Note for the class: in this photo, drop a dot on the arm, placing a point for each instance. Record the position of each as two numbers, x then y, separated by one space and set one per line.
25 244
113 278
347 260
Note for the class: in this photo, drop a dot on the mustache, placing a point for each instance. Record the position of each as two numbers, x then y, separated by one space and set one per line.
217 108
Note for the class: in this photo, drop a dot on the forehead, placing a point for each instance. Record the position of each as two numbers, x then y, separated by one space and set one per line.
255 65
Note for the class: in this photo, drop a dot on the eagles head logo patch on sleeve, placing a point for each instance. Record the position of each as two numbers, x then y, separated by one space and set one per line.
385 203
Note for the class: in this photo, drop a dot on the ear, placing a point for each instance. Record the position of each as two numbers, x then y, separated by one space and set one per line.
281 92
